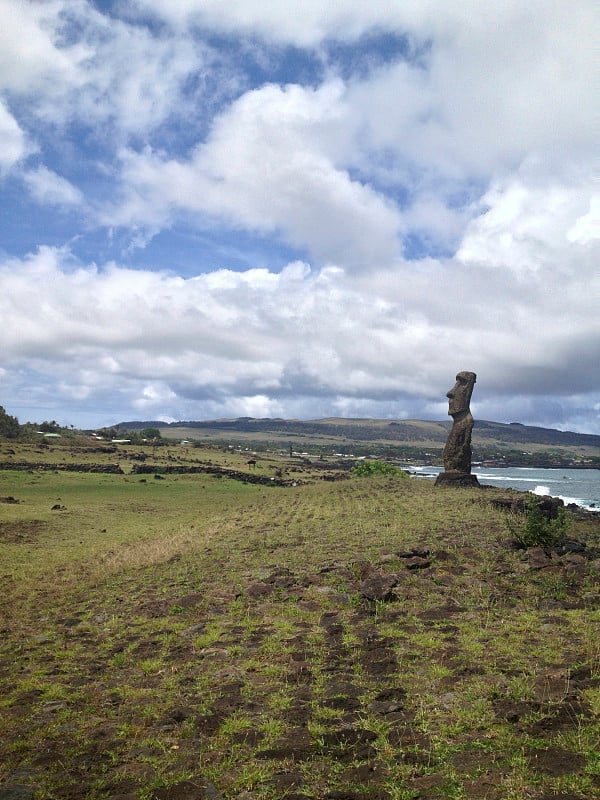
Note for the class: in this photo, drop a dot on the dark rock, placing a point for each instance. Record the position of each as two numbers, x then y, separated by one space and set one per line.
416 562
257 590
418 552
196 789
341 689
570 546
379 587
538 558
549 506
296 745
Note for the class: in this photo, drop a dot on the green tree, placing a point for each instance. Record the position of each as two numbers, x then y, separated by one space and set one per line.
49 427
376 467
9 426
150 433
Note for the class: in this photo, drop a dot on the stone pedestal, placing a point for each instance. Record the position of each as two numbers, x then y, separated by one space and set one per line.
455 478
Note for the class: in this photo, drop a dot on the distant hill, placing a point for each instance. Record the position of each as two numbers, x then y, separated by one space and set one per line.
393 432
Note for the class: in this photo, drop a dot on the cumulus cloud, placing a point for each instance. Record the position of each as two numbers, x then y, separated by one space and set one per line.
269 165
71 62
406 149
49 188
262 340
437 201
13 141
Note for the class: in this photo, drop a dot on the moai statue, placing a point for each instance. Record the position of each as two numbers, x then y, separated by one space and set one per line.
457 452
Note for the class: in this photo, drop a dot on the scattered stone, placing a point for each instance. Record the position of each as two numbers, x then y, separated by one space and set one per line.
417 552
196 789
417 562
379 587
551 685
549 506
570 546
538 558
485 787
296 745
432 781
556 761
367 773
257 590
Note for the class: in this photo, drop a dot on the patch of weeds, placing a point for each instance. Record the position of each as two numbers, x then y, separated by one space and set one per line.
151 666
272 728
211 636
119 660
236 723
534 529
592 698
556 586
280 700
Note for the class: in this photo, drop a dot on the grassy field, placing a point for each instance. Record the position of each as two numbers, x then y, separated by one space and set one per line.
193 635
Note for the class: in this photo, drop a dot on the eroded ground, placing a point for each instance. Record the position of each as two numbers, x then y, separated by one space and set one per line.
357 640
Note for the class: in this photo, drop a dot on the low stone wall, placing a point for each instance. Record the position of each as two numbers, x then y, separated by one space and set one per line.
26 466
245 477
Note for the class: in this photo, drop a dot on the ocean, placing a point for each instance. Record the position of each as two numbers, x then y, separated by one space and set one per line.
579 486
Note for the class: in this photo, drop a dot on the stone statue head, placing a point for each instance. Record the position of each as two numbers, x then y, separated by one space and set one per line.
459 396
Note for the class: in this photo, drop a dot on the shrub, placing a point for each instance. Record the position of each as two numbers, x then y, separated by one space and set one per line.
535 529
376 467
9 426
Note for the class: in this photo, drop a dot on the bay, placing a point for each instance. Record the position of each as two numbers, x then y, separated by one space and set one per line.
579 486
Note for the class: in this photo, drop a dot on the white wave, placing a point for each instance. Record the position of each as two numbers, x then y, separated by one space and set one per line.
578 501
486 476
541 490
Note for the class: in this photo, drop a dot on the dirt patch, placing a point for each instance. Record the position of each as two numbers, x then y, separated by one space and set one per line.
556 761
278 668
25 532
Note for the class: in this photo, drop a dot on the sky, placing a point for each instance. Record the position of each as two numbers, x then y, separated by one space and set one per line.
223 208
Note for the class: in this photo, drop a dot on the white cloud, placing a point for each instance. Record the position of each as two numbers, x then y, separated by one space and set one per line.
13 141
269 165
478 142
47 187
495 87
518 305
72 62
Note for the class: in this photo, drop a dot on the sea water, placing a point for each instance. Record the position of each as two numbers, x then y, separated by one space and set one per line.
579 486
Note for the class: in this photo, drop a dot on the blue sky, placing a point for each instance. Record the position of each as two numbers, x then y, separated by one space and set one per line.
216 209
